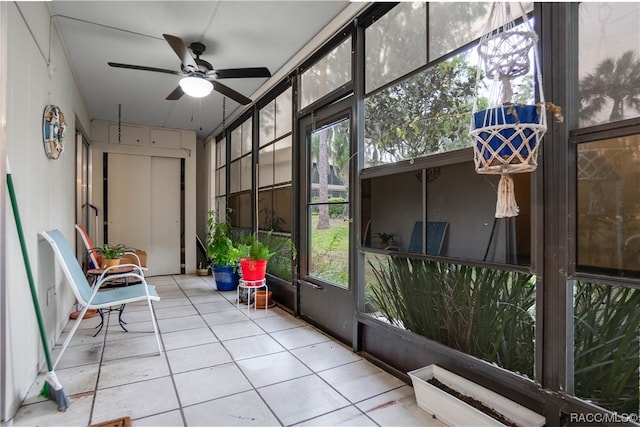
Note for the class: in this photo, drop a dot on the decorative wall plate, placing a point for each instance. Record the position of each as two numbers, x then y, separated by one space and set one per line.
53 131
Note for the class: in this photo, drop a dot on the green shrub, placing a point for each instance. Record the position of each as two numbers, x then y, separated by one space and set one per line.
483 312
284 253
337 211
607 346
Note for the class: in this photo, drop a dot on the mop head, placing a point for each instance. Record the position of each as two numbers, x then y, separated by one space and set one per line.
52 389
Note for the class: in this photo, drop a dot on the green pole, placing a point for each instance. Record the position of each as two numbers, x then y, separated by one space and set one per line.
27 265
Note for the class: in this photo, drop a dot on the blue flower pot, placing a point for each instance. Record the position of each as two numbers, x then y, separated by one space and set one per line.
226 277
524 114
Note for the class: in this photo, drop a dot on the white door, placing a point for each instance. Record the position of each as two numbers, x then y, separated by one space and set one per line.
165 216
143 208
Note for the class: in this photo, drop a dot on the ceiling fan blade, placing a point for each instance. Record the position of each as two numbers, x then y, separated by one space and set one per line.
233 73
176 94
181 49
143 68
227 91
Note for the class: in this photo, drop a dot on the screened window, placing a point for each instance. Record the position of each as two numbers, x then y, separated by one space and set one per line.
609 206
221 182
240 169
265 169
328 208
275 199
429 112
328 74
236 143
606 325
606 346
275 212
609 62
240 207
267 123
483 312
247 127
284 119
395 44
220 169
460 215
221 208
282 161
221 153
221 179
454 24
234 177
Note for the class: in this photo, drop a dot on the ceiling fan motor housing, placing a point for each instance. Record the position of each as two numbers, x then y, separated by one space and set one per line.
197 48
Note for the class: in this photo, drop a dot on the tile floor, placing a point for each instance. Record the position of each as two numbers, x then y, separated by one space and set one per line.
220 367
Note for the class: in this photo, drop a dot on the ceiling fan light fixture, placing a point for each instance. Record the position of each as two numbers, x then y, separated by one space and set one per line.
197 87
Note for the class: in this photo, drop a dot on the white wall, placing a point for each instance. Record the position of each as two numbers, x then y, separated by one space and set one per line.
45 189
147 141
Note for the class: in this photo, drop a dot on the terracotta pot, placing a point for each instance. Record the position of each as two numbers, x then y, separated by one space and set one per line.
262 298
111 262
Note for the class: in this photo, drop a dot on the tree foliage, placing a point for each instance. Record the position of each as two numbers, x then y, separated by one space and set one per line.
615 80
426 113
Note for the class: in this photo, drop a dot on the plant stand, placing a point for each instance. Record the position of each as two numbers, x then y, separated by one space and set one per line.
251 286
454 412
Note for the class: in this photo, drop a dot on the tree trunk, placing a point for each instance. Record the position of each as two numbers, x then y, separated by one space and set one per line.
323 177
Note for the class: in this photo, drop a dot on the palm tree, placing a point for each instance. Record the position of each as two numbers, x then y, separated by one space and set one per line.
618 80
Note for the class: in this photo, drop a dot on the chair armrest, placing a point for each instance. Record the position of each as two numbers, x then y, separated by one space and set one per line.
110 273
105 279
135 255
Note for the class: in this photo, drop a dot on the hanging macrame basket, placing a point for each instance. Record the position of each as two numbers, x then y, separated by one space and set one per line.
506 135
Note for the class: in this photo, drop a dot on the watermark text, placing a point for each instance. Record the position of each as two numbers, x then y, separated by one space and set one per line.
602 418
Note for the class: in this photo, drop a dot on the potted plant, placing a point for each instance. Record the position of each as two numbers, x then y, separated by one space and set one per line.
111 253
222 253
254 257
386 239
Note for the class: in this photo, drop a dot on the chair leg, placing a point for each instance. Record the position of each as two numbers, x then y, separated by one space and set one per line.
73 330
99 327
120 321
154 322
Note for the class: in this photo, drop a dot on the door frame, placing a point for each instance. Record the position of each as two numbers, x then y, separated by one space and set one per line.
342 109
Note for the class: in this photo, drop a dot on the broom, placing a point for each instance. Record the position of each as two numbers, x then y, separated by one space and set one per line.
52 388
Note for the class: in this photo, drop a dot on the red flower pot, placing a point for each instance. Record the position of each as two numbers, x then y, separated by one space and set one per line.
253 270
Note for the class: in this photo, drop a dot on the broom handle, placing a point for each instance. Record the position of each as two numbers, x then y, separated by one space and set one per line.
27 265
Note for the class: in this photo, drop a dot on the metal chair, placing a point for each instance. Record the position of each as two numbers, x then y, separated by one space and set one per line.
93 255
90 298
436 231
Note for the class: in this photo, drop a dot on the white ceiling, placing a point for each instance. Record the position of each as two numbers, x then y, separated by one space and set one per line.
236 34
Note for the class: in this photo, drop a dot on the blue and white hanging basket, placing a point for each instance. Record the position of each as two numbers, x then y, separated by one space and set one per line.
506 135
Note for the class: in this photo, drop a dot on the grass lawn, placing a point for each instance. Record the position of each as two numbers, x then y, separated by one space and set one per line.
330 251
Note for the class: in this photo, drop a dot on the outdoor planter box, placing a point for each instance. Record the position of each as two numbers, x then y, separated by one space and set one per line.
454 412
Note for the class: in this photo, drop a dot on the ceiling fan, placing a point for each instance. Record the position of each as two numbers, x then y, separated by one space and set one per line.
198 76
